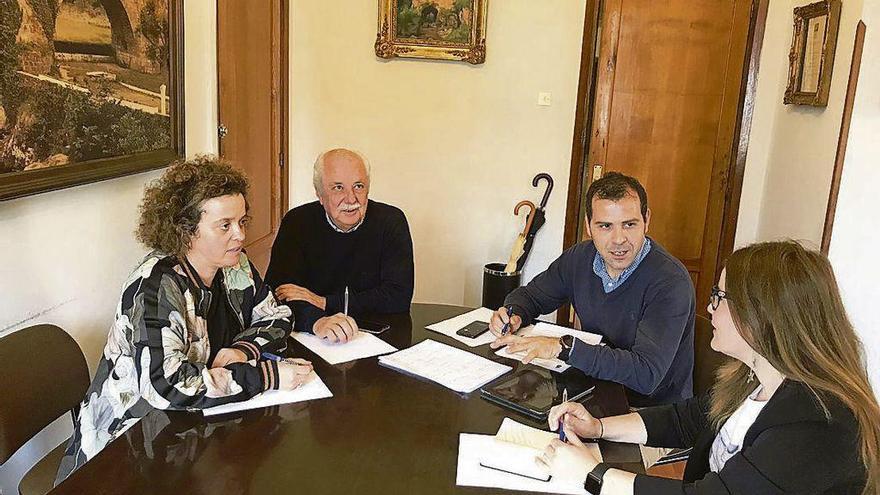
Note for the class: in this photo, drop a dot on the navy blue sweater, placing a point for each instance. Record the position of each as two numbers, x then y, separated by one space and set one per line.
647 322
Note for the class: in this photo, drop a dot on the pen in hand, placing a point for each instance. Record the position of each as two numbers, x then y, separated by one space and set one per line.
506 326
345 307
562 418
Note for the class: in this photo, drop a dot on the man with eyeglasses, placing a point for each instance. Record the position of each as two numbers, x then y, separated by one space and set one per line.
623 286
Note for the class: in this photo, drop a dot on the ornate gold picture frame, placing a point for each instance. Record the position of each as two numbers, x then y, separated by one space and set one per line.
433 29
811 59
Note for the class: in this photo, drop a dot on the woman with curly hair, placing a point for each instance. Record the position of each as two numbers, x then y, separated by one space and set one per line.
194 317
792 412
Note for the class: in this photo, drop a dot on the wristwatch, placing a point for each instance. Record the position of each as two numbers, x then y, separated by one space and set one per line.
567 342
593 484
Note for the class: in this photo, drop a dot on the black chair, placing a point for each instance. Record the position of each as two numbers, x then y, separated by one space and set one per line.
706 360
45 375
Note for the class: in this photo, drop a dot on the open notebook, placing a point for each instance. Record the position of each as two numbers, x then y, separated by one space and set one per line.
507 460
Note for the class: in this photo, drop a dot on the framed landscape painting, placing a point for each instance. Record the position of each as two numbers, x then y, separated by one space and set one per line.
434 29
89 90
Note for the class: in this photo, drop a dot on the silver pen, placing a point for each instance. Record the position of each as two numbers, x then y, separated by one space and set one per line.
345 309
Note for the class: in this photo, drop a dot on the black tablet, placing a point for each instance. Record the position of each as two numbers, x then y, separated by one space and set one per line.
533 391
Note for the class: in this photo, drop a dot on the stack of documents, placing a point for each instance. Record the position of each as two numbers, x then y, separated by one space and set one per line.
313 389
549 330
453 368
363 345
452 325
507 460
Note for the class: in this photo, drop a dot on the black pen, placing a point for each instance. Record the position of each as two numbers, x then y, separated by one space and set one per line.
562 418
506 326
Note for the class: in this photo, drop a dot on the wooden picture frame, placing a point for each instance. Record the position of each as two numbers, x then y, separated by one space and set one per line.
811 58
432 29
143 40
843 137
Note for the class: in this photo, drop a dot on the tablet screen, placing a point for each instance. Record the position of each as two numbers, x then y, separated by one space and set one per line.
538 389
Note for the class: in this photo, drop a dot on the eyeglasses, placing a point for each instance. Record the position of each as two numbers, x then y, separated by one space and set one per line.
716 297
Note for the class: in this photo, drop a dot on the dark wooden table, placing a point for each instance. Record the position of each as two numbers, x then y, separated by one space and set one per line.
382 432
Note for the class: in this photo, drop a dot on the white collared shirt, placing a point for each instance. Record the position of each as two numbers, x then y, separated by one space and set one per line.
337 229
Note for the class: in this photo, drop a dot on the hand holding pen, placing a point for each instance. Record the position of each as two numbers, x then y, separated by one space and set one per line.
292 372
504 322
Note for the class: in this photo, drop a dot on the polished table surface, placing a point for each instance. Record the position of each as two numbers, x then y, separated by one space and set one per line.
381 432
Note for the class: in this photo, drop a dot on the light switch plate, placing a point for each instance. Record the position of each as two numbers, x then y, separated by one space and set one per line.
545 99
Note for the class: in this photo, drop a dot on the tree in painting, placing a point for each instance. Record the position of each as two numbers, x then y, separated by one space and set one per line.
448 21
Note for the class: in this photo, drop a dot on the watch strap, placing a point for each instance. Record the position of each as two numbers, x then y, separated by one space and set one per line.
593 484
567 344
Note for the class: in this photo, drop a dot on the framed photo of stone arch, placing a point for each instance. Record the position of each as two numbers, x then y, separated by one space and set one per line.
811 58
89 90
433 29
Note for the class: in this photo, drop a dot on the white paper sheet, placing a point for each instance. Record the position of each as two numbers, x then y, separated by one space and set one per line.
514 446
313 389
549 330
362 346
451 367
452 325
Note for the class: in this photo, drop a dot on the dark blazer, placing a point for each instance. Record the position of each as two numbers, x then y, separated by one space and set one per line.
791 448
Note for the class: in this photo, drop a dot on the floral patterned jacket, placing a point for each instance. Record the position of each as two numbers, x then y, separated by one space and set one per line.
157 351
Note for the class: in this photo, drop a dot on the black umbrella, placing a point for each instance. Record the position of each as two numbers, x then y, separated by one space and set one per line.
538 221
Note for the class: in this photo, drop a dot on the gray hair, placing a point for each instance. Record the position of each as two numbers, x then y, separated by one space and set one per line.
318 172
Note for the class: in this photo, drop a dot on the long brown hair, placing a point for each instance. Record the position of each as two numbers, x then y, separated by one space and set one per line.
785 303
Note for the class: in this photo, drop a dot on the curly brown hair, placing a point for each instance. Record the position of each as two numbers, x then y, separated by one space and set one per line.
172 205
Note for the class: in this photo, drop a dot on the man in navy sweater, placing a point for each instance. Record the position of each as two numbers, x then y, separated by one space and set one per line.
623 286
342 242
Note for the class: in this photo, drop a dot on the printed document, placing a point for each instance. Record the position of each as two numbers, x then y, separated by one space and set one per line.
545 329
451 367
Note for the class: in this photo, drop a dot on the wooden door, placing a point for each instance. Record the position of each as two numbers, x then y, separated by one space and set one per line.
667 83
252 71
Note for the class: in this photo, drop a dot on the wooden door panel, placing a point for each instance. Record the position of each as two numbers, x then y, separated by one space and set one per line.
667 91
249 41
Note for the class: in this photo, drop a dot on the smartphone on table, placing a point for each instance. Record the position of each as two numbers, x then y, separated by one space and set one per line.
474 330
372 327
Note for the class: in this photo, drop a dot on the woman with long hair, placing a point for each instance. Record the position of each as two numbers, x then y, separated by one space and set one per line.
793 412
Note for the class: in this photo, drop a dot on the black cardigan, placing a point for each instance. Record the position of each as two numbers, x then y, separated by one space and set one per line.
791 448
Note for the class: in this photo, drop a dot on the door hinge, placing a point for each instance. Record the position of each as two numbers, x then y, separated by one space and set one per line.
281 160
222 130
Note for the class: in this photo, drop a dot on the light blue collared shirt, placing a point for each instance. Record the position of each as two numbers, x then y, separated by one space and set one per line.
608 283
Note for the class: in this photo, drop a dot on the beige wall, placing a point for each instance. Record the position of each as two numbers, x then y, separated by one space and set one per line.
455 146
792 147
856 234
791 159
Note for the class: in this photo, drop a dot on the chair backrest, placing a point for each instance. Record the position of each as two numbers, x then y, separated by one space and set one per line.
706 360
44 376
